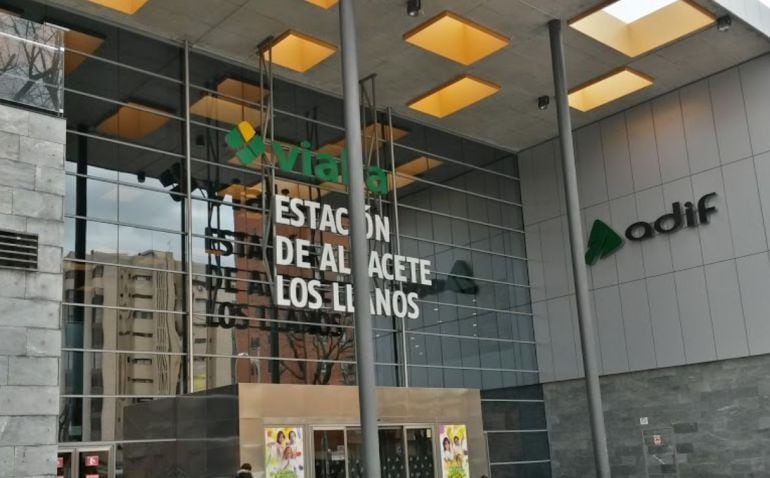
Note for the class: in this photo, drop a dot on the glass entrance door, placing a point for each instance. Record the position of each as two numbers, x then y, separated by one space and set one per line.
391 453
329 453
419 452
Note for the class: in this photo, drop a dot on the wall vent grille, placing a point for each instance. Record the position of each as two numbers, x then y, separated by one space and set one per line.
18 250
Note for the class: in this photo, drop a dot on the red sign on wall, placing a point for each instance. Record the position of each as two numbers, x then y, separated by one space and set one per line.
93 476
92 460
60 462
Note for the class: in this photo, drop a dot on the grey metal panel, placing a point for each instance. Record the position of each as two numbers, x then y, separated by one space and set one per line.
762 165
699 128
612 334
629 259
528 191
545 184
567 254
641 141
543 341
730 116
685 244
565 359
694 314
726 311
756 92
605 272
657 250
554 260
617 160
754 280
746 221
715 237
636 319
535 262
664 315
669 133
592 183
576 331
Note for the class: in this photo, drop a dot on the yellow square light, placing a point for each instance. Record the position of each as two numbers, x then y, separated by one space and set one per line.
323 3
78 42
607 88
133 121
299 52
228 109
405 174
125 6
454 96
634 27
457 38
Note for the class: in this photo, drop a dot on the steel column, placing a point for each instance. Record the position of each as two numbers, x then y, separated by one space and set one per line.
367 393
585 315
189 338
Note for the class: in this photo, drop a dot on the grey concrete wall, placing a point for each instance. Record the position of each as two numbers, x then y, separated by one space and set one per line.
696 295
713 421
31 200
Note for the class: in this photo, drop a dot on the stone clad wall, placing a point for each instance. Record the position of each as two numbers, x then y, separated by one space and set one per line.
31 200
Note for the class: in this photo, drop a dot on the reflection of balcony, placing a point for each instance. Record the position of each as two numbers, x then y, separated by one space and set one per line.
31 63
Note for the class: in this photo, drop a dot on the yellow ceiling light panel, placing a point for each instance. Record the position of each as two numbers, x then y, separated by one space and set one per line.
133 121
228 109
323 3
299 52
124 6
608 88
77 43
406 172
456 38
454 96
335 148
634 27
241 89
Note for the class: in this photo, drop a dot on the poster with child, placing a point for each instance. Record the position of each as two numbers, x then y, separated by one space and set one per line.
284 452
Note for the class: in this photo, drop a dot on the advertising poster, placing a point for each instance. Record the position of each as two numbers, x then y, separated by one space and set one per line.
454 451
284 453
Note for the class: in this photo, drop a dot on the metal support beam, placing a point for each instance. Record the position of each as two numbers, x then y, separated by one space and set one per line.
585 316
189 338
367 393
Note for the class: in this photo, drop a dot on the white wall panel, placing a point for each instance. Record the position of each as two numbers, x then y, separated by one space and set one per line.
637 324
754 280
641 142
726 310
535 262
612 335
669 135
699 130
746 221
697 330
715 237
685 243
629 260
664 315
543 341
554 260
565 358
756 89
589 159
730 116
617 161
762 165
656 251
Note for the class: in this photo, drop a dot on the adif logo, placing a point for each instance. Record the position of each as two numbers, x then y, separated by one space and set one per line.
602 242
249 146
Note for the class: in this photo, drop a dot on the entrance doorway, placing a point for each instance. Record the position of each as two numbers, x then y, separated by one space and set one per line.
405 452
86 462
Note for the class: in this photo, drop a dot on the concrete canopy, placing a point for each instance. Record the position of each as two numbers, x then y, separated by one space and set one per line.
510 118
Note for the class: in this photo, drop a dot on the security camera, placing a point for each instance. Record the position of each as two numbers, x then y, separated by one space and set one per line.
413 7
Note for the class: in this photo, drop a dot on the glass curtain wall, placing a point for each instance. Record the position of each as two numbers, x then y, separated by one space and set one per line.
125 317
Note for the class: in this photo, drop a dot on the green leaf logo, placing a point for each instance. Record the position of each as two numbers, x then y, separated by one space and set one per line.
602 242
245 141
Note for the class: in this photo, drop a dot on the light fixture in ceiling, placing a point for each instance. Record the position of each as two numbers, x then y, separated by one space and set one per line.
133 121
607 88
634 27
299 52
453 96
124 6
457 38
228 107
323 3
78 45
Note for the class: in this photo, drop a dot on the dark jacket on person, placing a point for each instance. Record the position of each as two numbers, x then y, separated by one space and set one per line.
244 474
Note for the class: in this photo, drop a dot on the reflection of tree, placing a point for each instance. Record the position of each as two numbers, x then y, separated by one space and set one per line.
326 349
32 70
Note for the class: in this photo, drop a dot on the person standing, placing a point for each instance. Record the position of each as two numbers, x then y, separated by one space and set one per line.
245 471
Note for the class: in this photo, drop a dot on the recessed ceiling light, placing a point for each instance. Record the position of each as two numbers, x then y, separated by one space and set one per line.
456 38
77 43
454 96
323 3
299 52
634 27
133 121
629 11
607 88
125 6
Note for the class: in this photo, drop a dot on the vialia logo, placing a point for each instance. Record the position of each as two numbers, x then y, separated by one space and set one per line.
249 146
